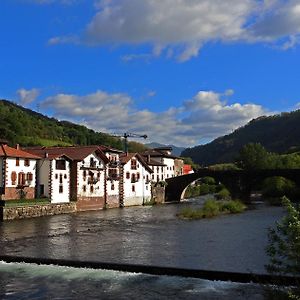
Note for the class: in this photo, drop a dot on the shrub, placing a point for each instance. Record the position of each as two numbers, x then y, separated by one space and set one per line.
223 194
210 208
284 246
232 206
208 180
276 187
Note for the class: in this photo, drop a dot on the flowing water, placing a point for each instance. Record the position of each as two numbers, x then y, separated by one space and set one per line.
138 235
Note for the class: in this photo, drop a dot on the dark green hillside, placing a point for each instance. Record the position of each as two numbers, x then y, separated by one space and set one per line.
278 133
29 128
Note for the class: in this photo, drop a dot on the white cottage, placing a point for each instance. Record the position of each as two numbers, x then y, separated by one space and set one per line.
17 173
136 189
53 174
113 176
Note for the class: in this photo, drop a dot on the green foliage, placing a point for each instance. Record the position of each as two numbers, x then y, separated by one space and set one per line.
284 246
28 128
189 161
224 167
276 187
208 180
24 202
212 208
253 156
278 133
223 194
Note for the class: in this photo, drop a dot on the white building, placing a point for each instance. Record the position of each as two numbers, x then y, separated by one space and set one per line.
136 189
53 175
166 167
113 176
17 173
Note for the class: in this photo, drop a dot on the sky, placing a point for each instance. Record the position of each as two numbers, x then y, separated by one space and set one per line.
184 72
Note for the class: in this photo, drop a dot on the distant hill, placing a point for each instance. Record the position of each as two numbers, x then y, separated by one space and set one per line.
278 133
176 150
29 128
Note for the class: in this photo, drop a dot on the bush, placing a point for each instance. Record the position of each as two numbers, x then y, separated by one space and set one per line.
210 208
208 180
232 206
276 187
223 194
284 246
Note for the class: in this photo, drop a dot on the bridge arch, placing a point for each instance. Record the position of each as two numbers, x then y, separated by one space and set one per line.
238 182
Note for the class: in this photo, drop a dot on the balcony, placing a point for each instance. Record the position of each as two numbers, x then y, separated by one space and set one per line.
113 164
92 181
113 177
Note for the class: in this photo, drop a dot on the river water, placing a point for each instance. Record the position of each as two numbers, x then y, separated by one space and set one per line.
138 235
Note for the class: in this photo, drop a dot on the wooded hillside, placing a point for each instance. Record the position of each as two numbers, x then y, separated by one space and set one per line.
29 128
278 133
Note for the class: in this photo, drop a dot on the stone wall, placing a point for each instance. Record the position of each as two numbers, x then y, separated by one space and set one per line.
22 212
158 194
112 201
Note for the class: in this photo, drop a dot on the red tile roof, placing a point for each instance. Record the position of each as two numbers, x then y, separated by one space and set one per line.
77 153
125 158
6 151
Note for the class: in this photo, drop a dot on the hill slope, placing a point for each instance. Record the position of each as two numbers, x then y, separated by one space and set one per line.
278 133
29 128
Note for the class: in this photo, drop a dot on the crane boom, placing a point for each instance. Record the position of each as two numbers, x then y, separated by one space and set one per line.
126 135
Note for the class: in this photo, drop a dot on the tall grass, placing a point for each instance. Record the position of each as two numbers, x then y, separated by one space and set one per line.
212 208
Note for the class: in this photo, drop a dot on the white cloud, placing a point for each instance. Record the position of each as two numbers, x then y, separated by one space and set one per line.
179 28
27 96
204 117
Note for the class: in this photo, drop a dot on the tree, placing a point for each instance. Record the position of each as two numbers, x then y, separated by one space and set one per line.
284 246
253 156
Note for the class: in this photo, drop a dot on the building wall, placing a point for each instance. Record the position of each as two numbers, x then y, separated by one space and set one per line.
1 172
43 178
12 189
90 184
170 167
112 186
60 183
158 173
139 192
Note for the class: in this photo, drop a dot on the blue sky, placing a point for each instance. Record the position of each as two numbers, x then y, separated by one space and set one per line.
181 71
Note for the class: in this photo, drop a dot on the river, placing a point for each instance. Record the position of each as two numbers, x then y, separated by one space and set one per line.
138 235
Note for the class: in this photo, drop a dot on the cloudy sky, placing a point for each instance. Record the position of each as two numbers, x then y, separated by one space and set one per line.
180 71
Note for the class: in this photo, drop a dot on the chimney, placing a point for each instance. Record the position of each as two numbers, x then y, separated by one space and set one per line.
148 158
17 146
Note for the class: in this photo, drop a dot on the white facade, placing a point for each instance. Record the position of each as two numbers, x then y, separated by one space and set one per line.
54 180
163 172
113 175
20 172
90 177
137 183
1 172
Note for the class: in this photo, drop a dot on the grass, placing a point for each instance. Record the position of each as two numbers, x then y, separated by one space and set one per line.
24 202
43 142
212 208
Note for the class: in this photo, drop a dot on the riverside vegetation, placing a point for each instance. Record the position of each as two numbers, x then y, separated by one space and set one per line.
212 208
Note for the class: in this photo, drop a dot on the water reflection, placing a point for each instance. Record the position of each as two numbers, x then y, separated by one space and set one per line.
146 235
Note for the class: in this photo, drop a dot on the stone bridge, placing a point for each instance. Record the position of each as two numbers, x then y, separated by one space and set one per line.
240 183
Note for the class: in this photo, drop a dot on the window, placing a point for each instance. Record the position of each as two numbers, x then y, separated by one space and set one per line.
60 178
133 178
157 177
162 169
26 162
138 176
133 188
133 164
127 175
61 189
13 178
65 176
157 169
92 162
112 186
113 173
92 189
84 175
56 176
84 188
17 161
29 177
60 164
147 178
21 178
152 176
98 175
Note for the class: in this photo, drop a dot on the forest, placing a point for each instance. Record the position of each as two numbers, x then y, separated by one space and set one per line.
19 125
278 133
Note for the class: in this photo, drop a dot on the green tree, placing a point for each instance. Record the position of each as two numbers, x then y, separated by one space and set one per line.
284 246
253 156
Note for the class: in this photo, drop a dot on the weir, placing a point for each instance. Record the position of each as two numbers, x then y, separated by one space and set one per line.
157 270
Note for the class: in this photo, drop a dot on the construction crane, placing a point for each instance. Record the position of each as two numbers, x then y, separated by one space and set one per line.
126 135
